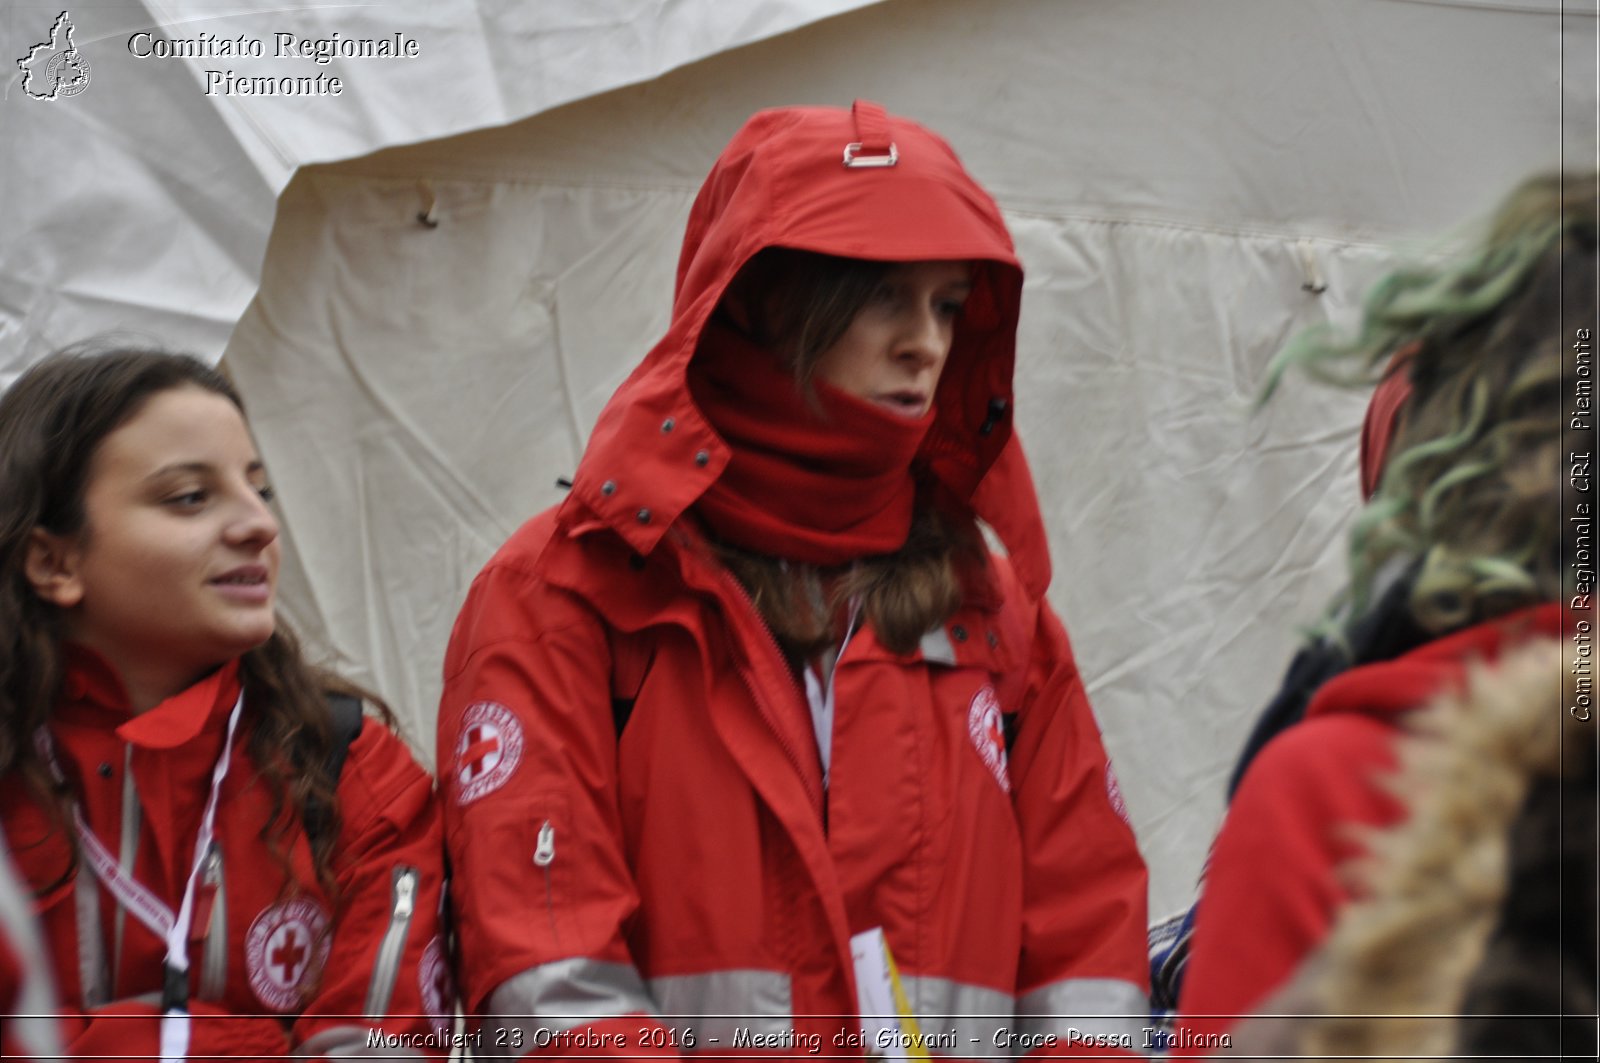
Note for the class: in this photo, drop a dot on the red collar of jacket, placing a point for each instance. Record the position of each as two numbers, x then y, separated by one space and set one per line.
94 694
638 591
782 182
1388 688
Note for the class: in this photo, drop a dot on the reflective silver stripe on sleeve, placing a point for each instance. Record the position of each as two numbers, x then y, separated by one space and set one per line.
958 1019
717 1004
554 997
1097 1007
713 1006
345 1042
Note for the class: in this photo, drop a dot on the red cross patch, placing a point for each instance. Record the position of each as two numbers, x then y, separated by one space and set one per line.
489 750
1114 795
986 727
285 943
438 987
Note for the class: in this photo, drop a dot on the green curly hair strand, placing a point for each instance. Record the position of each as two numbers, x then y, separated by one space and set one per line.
1470 495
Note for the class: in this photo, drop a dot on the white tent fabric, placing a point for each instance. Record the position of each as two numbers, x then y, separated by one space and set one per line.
143 204
1178 175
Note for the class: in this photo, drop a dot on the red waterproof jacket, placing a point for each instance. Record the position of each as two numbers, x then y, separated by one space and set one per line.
272 972
1273 888
606 889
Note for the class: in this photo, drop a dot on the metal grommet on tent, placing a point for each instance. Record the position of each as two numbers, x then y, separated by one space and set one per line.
702 458
644 516
429 214
609 487
668 425
1314 283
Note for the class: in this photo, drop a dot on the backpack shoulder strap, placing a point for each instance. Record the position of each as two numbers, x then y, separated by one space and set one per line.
345 720
346 725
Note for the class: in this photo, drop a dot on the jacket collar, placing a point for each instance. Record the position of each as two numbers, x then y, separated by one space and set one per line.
93 688
1387 688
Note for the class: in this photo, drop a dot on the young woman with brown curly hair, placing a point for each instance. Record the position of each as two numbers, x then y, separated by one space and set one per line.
223 864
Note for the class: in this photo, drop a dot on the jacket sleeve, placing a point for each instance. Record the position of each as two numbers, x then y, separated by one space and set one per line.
528 767
1083 976
1272 888
385 986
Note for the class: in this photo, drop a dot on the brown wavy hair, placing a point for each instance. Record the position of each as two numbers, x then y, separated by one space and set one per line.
52 421
798 304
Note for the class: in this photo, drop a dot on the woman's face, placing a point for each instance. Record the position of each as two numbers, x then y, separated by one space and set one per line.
176 568
896 346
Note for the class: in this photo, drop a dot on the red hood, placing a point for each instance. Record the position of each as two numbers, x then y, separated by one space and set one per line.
782 182
1382 421
1388 688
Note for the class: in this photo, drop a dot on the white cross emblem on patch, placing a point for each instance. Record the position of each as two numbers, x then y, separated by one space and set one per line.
480 751
489 750
287 952
283 944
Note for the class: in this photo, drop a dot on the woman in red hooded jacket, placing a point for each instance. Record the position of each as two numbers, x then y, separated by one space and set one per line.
752 738
222 864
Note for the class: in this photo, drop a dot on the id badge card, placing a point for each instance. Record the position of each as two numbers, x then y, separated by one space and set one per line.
888 1027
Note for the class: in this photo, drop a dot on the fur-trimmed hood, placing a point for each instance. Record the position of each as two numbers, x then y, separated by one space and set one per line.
1482 901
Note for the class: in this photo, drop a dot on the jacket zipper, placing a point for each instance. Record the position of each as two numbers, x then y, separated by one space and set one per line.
544 854
387 965
818 800
214 962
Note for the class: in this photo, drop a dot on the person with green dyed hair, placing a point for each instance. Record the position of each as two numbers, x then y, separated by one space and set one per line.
1471 489
1457 558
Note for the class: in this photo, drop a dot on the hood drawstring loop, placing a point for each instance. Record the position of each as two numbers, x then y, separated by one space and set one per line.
872 146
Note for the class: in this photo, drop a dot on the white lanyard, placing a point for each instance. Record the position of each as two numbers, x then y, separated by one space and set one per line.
150 909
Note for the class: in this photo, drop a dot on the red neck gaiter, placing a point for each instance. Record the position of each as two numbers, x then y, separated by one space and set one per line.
823 483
